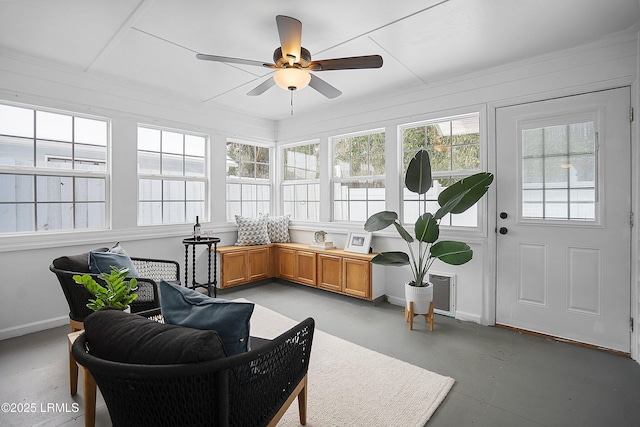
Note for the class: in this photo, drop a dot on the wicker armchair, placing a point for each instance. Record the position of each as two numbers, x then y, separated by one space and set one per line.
150 271
246 390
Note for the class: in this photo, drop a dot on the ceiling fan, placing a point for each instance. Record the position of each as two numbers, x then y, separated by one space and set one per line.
292 63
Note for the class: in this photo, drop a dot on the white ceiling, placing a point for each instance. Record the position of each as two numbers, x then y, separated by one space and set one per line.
152 43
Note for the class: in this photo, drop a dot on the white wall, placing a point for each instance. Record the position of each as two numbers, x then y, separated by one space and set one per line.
608 63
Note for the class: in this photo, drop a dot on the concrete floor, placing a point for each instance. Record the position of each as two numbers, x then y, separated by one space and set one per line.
503 378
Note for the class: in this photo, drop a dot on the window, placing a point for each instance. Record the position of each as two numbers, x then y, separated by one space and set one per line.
358 175
248 180
172 176
301 184
559 172
453 145
53 170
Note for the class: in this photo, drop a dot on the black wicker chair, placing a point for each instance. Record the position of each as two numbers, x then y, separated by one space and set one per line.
246 390
150 272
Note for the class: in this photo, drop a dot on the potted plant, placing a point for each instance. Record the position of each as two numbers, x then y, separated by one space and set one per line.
117 293
454 200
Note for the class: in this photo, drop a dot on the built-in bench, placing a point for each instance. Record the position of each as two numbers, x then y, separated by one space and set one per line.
331 269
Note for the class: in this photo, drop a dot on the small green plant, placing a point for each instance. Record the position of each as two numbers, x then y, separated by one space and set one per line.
117 294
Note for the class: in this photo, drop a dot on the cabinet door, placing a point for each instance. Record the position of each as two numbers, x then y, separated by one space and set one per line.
233 269
259 262
286 264
330 272
306 267
356 277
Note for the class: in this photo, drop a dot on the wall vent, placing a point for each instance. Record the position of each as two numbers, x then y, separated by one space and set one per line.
444 293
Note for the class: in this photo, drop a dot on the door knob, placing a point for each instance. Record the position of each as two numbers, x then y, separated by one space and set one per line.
503 215
503 230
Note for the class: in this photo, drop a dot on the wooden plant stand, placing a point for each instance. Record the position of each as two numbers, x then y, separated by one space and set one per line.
409 315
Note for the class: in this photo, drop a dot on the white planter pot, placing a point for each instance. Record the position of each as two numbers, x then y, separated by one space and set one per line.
421 296
128 309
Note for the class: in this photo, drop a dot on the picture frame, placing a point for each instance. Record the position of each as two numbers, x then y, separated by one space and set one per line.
358 242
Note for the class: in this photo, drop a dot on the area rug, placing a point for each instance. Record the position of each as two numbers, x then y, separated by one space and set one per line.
350 385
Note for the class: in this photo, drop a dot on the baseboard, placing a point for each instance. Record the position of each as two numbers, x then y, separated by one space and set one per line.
468 317
30 328
395 301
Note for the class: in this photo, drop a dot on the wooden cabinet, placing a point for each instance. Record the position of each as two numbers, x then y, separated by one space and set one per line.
296 265
330 272
239 265
333 270
286 263
356 277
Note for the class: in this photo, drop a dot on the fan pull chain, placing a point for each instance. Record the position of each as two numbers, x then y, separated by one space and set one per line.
291 90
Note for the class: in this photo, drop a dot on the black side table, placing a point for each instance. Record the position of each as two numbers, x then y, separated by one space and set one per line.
192 242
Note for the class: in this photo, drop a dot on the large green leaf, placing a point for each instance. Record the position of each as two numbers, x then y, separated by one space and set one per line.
380 221
418 177
391 258
427 229
473 187
454 253
403 233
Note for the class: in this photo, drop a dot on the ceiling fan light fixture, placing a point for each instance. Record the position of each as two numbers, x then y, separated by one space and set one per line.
292 78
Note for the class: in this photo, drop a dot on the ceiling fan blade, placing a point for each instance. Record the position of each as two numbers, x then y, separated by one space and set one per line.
324 88
262 87
351 63
290 31
230 60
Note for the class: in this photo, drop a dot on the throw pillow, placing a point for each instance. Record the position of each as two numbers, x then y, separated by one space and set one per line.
252 231
75 263
278 228
186 307
129 338
102 262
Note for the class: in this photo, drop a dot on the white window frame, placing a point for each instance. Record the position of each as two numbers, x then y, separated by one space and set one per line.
246 182
363 179
184 178
449 174
34 172
294 183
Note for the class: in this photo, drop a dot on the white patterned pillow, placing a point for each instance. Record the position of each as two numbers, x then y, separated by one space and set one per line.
278 228
252 231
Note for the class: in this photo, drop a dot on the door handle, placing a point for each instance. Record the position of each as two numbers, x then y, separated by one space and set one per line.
503 215
503 230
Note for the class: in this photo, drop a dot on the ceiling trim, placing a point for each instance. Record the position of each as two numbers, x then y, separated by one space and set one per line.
122 31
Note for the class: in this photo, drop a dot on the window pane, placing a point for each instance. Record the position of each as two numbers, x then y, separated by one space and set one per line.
194 145
90 215
90 189
194 166
90 157
173 212
173 190
234 192
54 188
148 162
172 165
53 126
16 151
16 188
15 218
559 172
150 189
90 131
51 154
195 190
172 142
194 209
148 139
150 213
55 216
16 121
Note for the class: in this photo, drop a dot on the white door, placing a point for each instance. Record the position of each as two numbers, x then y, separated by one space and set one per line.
564 229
